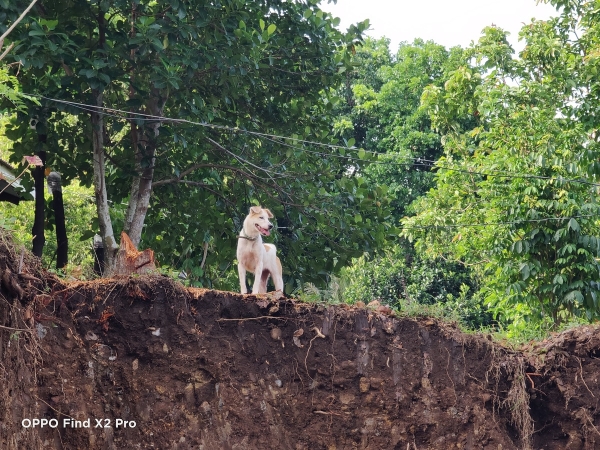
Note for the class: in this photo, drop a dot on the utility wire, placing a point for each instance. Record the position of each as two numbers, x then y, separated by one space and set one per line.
516 222
409 161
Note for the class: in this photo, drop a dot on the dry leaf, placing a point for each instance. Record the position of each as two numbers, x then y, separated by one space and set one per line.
296 340
33 160
262 302
275 295
384 309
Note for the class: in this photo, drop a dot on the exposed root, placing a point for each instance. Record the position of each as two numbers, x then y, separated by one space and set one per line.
318 335
582 378
512 367
517 401
251 318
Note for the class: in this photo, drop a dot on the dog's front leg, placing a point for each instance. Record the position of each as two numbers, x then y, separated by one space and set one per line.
242 275
257 275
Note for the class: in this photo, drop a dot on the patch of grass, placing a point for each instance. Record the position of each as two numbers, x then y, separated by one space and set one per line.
331 295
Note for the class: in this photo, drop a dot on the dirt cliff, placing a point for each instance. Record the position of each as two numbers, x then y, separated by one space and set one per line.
143 363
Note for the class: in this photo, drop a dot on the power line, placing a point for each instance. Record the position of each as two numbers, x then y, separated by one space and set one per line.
278 139
516 222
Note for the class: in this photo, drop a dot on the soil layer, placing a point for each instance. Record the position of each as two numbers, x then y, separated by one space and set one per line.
153 365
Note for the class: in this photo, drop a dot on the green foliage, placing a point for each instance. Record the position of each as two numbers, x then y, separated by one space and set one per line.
399 278
79 211
268 67
310 293
382 114
9 93
5 143
515 191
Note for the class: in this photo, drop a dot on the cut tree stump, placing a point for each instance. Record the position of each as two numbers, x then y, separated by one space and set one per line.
131 261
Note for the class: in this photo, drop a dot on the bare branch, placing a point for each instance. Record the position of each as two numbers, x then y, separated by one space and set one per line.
7 32
204 259
5 52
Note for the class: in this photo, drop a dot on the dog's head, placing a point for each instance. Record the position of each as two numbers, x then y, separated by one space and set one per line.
259 220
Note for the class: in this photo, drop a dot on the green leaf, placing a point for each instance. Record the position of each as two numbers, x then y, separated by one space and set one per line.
88 234
524 269
271 29
574 296
518 247
50 24
573 225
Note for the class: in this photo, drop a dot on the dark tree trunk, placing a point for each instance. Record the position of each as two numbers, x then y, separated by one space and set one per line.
39 179
62 242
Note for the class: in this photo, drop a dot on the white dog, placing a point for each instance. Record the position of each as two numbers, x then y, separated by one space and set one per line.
255 256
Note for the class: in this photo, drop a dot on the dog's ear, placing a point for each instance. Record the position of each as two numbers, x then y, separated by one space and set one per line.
269 213
255 210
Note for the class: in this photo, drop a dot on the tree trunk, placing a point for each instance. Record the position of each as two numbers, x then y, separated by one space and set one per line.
106 230
135 184
144 191
62 242
39 179
145 161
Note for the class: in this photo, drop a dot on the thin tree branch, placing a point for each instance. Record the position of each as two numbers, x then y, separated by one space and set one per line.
21 17
5 52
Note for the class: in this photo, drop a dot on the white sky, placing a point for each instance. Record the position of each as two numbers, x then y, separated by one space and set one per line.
447 22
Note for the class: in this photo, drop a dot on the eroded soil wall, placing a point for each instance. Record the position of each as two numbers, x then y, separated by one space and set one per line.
201 369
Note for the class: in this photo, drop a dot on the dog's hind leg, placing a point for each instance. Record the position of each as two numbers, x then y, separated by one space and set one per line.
264 279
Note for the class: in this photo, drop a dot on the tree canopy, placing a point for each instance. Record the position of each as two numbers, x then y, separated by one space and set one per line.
516 189
174 112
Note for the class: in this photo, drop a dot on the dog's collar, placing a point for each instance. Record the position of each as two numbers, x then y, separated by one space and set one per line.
244 236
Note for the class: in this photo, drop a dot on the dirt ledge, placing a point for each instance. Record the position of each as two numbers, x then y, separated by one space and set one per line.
200 369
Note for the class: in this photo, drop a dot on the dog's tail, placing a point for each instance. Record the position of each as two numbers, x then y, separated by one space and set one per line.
278 280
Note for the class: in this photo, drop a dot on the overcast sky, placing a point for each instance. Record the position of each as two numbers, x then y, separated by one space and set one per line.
447 22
